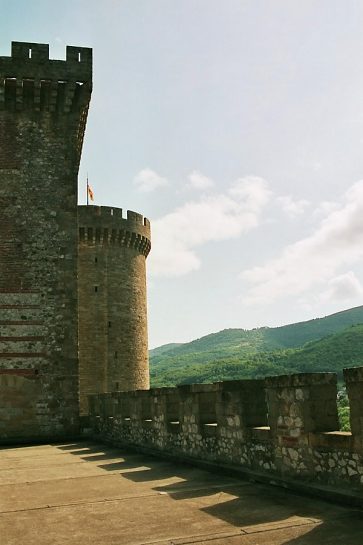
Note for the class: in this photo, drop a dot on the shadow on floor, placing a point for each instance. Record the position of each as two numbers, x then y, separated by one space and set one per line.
343 531
237 502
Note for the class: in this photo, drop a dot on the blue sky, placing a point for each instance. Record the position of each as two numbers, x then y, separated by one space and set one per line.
236 126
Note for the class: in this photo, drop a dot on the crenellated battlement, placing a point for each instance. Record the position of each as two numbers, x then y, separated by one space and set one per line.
283 428
32 59
107 226
29 80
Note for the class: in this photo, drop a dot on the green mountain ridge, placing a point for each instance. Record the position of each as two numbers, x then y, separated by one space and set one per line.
332 353
322 344
163 349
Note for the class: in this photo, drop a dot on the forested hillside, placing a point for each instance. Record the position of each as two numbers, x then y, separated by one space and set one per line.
324 344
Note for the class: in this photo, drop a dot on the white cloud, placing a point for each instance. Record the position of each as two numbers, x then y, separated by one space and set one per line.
291 207
211 218
148 180
252 191
342 288
199 181
314 259
326 207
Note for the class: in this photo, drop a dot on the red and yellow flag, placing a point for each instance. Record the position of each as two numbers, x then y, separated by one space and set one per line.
90 192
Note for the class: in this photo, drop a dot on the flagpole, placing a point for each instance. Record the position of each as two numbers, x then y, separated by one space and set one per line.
87 189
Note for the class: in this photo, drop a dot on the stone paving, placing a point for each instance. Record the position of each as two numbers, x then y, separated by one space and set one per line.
85 493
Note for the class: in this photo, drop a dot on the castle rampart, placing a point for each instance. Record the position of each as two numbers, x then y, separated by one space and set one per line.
113 348
284 429
43 111
106 225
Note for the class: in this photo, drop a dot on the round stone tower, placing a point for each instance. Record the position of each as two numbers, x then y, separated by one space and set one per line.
113 348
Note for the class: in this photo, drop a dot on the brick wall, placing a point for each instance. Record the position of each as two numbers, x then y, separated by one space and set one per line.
43 109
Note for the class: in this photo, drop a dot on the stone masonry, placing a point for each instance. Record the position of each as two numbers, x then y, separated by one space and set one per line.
69 293
113 351
283 428
43 111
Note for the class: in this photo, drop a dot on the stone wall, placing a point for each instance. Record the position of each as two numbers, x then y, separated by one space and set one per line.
113 349
43 111
281 428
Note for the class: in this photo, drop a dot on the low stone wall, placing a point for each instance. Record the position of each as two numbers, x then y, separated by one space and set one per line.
283 427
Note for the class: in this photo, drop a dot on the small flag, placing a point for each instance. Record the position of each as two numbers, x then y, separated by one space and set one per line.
90 192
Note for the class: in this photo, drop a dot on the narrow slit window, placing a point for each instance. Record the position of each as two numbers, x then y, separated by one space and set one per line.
109 324
30 53
96 289
79 57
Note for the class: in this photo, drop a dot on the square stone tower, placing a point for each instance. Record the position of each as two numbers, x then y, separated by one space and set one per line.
43 112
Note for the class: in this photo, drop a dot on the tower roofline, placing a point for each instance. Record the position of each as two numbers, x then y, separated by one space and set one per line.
31 60
107 225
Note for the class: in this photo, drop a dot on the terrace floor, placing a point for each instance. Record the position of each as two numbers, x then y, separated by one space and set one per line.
85 493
